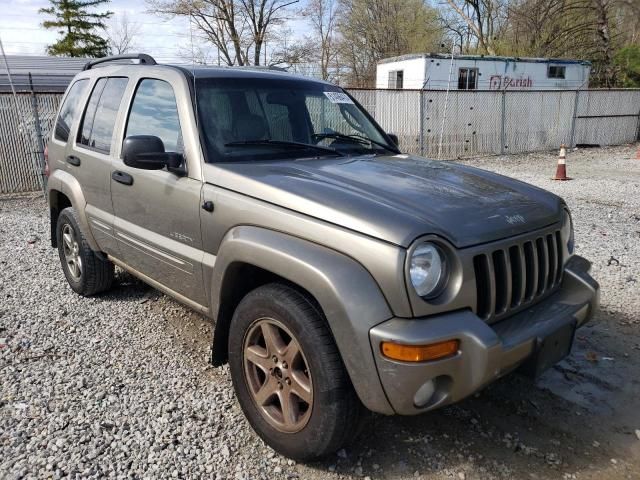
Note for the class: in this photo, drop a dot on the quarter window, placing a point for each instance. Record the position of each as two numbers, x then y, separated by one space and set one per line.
467 79
556 71
99 118
154 112
69 110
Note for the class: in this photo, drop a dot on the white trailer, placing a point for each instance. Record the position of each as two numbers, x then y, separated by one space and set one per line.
481 72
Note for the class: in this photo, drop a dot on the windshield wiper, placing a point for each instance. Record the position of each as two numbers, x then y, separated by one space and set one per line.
361 139
284 143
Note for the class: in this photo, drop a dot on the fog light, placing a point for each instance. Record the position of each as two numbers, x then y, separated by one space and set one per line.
424 393
419 353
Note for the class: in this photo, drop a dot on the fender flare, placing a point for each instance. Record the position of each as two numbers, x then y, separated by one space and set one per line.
64 182
347 293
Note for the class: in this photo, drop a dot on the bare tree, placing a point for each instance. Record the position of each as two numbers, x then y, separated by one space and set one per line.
237 28
374 29
122 34
549 28
604 42
485 18
322 14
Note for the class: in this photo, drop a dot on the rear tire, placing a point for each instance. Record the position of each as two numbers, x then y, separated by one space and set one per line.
86 272
300 363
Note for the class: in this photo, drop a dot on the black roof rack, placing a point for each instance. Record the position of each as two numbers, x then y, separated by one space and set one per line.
143 57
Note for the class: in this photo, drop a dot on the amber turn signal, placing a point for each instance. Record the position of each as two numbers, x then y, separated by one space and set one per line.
420 353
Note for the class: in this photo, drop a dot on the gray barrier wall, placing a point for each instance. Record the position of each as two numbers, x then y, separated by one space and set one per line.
498 122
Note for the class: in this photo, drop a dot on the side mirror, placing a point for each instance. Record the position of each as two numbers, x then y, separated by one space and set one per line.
147 152
394 138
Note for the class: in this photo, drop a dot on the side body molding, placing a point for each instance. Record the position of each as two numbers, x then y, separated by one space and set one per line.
348 295
66 183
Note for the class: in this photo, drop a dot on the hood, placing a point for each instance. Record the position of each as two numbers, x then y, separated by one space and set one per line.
396 198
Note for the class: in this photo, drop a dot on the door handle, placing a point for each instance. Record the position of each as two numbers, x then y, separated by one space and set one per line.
121 177
73 160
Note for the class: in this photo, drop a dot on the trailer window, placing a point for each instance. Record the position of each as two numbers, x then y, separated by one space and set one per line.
467 79
396 78
556 71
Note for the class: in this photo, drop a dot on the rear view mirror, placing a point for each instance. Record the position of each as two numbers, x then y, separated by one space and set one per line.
147 152
280 98
394 138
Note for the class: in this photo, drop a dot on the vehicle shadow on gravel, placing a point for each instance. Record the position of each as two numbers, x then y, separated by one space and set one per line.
577 419
127 288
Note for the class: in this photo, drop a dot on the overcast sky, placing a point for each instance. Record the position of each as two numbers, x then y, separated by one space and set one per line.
165 39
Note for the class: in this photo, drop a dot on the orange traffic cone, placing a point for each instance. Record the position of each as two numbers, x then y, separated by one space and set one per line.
561 171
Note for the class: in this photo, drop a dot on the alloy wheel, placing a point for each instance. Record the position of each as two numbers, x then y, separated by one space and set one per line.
277 375
71 250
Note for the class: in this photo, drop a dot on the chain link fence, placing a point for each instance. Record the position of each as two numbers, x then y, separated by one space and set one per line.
432 123
24 124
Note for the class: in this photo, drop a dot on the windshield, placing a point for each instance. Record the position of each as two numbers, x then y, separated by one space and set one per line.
263 119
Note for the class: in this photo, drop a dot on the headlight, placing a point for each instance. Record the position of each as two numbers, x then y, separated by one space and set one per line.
428 270
567 231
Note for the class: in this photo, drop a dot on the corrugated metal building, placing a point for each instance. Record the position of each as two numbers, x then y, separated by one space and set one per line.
49 74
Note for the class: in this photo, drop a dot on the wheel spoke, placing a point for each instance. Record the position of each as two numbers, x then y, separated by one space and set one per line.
301 386
68 240
259 357
290 407
268 389
291 353
73 267
79 264
272 338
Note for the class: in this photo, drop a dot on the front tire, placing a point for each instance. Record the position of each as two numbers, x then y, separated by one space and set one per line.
86 272
288 375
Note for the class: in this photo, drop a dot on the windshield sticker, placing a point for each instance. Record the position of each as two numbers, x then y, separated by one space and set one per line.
338 97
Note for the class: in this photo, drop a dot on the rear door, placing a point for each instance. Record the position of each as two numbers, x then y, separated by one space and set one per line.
90 156
157 213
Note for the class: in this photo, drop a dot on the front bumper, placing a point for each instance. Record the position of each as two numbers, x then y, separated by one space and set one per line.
486 351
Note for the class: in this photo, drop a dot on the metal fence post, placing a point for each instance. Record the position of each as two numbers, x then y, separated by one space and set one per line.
38 132
421 122
638 128
573 121
503 120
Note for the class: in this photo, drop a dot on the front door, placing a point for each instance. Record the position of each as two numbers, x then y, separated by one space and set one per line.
157 213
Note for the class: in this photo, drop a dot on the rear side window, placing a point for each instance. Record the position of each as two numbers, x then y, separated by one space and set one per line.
154 112
99 118
69 109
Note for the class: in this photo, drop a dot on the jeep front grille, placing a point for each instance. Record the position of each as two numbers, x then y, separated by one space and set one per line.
517 275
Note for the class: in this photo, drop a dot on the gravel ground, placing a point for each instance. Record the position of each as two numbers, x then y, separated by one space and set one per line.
118 385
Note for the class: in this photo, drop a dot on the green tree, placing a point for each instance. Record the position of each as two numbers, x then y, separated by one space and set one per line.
78 26
627 60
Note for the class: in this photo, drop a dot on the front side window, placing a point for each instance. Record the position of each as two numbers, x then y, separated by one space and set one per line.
154 112
556 71
69 109
96 130
261 119
467 79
